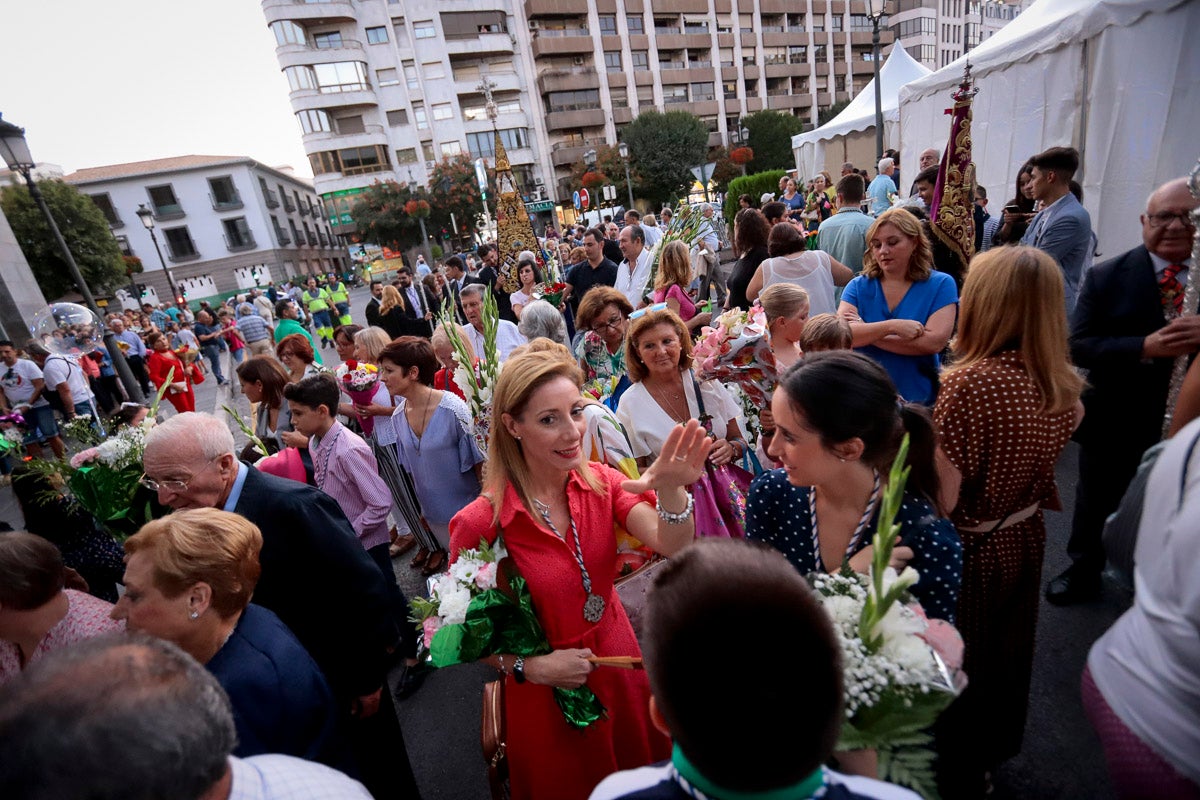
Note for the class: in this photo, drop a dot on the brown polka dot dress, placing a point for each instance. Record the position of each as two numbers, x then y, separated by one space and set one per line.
992 429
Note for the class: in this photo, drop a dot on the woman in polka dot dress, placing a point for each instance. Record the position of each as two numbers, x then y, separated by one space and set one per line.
838 426
1005 412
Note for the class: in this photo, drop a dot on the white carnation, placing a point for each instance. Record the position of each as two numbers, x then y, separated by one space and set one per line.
453 605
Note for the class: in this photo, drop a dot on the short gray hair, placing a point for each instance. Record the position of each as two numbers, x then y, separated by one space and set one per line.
884 163
472 290
209 434
134 717
540 319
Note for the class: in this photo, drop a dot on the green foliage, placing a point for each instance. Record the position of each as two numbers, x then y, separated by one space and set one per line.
909 762
380 217
771 135
610 165
754 185
665 147
826 114
723 169
84 228
454 190
436 251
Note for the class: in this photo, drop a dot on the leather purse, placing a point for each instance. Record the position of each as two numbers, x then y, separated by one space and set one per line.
492 739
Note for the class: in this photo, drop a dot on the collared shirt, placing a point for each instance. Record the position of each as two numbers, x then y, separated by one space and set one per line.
236 492
279 777
878 192
844 237
508 338
159 318
136 346
253 328
416 300
1161 264
633 283
345 469
653 234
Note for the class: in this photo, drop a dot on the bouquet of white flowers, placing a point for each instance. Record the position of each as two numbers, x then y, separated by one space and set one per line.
899 668
477 380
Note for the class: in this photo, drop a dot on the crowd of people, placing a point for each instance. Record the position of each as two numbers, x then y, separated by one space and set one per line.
988 370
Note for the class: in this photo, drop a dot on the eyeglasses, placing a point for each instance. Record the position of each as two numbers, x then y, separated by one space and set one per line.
174 487
614 322
1163 219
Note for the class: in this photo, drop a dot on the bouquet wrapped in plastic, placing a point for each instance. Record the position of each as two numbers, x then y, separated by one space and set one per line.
552 293
736 350
359 382
481 607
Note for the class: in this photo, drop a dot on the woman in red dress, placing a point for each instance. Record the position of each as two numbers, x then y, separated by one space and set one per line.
159 364
556 513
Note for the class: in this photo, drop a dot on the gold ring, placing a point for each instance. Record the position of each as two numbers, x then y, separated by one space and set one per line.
680 458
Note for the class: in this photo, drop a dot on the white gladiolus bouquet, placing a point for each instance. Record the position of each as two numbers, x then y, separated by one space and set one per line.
899 668
478 381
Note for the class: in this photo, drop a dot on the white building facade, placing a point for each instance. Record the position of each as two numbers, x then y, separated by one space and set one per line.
223 224
936 32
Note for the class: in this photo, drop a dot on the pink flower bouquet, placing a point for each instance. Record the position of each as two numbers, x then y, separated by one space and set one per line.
736 350
360 382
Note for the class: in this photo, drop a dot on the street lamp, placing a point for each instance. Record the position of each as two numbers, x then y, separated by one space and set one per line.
623 150
16 154
875 11
147 218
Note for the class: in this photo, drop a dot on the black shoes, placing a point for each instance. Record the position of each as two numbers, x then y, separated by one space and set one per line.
1074 586
411 679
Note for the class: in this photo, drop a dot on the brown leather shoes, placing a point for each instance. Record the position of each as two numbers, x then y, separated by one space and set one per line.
401 545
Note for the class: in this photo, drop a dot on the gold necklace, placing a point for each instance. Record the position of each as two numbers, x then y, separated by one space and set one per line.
668 405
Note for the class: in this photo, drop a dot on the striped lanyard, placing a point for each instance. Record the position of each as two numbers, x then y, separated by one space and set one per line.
868 513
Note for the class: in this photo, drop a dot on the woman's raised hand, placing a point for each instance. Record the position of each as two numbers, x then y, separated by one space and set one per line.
679 463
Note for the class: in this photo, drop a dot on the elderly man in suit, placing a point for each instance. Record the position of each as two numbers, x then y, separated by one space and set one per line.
316 577
1127 331
1063 227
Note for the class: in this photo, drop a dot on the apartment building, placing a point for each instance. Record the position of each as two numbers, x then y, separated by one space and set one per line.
936 32
223 223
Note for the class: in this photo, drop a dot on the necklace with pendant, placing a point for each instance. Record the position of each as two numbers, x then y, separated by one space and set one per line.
593 607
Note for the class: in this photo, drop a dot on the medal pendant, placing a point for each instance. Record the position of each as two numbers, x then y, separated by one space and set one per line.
593 609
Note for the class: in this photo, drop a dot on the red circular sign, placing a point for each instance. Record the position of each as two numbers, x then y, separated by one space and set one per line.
585 199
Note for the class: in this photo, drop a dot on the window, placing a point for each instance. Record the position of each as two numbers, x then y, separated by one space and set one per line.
223 193
300 78
410 75
104 203
424 30
839 83
749 56
730 89
702 92
726 56
915 27
377 35
483 145
427 150
123 245
313 121
640 59
612 60
443 111
324 41
479 112
618 96
433 70
645 95
420 116
351 124
819 53
179 243
675 93
451 149
835 22
608 25
397 117
581 100
164 201
927 53
387 76
341 76
350 161
797 55
408 155
287 32
635 24
237 234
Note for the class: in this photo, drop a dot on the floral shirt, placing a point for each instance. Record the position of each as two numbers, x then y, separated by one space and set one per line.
86 617
593 353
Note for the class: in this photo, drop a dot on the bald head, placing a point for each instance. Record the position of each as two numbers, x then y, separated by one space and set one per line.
1164 229
930 156
191 460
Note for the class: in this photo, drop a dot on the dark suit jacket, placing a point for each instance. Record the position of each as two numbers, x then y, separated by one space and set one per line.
454 290
415 323
320 581
1119 306
488 277
373 318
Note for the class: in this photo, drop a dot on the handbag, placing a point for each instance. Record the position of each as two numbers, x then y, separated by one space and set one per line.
720 491
633 588
495 750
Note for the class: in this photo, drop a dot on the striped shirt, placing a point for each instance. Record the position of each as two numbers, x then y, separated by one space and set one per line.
253 328
279 777
346 470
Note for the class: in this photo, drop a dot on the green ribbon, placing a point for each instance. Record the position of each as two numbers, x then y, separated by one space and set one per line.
687 770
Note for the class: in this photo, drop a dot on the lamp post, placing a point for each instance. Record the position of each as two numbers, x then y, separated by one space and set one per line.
16 154
147 218
875 11
623 149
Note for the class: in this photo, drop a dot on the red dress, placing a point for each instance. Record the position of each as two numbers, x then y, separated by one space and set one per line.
159 366
547 756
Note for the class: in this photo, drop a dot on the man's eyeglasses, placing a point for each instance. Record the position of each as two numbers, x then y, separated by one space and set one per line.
1164 218
614 322
174 487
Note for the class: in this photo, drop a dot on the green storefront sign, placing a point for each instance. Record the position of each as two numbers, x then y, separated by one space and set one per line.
337 205
543 205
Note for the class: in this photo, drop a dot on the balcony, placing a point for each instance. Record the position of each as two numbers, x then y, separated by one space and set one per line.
308 12
579 118
237 244
288 205
300 55
270 198
567 80
169 211
484 44
555 8
228 203
348 95
185 254
571 152
570 42
323 238
283 237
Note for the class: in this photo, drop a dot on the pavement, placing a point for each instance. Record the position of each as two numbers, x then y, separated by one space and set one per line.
1061 759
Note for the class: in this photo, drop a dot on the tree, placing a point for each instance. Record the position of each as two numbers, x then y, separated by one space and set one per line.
611 169
826 114
665 147
84 228
453 190
723 168
380 216
770 138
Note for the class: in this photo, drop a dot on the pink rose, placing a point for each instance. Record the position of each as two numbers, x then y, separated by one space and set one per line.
430 627
80 459
485 576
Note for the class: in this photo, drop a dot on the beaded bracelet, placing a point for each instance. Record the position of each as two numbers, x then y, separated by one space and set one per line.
672 518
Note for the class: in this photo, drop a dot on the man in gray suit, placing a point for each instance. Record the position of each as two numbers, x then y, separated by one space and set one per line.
1063 227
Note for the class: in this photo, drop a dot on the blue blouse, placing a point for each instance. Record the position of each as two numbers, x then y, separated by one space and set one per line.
913 375
777 514
442 459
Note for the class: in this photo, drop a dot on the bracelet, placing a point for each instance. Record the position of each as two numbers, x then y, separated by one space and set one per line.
500 658
672 518
519 669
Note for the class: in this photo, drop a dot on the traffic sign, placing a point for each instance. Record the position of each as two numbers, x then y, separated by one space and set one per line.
578 201
585 199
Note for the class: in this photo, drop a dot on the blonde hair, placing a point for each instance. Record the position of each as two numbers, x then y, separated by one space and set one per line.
1013 299
674 266
920 266
651 319
391 299
826 332
440 337
524 373
782 300
203 545
373 340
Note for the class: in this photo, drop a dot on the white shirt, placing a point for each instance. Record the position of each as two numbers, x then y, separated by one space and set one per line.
634 284
651 780
653 234
812 271
508 338
61 368
278 777
17 382
648 425
265 308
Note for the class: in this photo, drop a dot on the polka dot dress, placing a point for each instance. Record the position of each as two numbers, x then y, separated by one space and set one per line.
993 430
777 514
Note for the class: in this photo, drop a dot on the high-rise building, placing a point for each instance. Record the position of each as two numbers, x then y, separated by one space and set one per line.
936 32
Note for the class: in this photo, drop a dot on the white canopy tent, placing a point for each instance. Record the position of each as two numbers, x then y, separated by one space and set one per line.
1117 79
851 133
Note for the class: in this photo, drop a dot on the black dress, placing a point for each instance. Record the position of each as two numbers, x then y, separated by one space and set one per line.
740 277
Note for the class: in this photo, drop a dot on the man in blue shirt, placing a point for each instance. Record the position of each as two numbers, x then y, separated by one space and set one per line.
135 353
844 235
158 317
881 187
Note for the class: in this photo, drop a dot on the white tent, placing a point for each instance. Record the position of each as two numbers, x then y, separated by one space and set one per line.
832 143
1117 79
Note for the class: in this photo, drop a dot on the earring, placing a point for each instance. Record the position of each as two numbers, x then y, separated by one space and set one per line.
518 438
194 615
841 459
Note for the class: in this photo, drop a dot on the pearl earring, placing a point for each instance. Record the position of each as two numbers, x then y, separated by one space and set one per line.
194 615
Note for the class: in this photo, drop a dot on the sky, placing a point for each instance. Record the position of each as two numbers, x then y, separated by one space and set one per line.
98 83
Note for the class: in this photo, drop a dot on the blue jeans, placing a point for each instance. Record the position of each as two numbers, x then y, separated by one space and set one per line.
213 353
